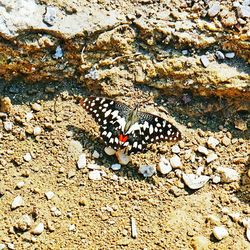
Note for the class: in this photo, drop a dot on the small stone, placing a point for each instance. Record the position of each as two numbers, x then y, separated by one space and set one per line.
74 149
240 124
246 2
230 55
228 175
246 222
133 228
17 202
195 181
164 166
50 226
214 220
226 141
38 229
203 150
211 157
95 175
116 166
8 126
204 60
55 211
123 158
93 166
214 9
235 216
5 104
24 223
146 170
176 149
219 55
220 232
20 184
83 201
36 107
50 16
216 179
243 11
29 116
212 142
37 130
2 246
27 157
72 227
199 242
71 174
96 154
109 151
248 233
49 195
58 53
175 161
81 163
11 246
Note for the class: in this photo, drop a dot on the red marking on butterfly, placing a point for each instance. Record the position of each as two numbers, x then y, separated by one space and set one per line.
123 138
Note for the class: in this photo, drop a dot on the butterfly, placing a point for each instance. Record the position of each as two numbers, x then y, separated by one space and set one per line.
123 127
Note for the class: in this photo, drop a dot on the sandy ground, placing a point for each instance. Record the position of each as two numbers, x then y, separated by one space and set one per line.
87 214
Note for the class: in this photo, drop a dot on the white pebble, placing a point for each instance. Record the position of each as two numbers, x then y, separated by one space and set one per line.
49 195
194 181
216 179
81 163
212 142
228 174
243 11
29 116
214 9
96 154
235 216
230 55
93 166
123 158
220 232
36 106
116 166
175 161
199 170
95 175
211 157
17 202
20 184
109 151
133 228
2 246
219 55
147 171
37 130
203 150
8 126
72 227
164 166
11 246
246 222
38 229
248 233
176 149
55 211
27 157
204 60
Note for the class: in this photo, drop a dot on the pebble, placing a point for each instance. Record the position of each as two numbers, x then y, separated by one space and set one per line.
109 151
17 202
74 149
216 179
175 161
226 141
243 11
194 181
49 195
36 107
95 175
123 158
212 142
248 233
204 60
211 157
20 184
176 149
8 126
38 229
24 223
147 170
2 246
96 154
81 163
50 16
71 174
246 222
199 242
11 246
214 220
116 166
37 130
203 150
219 55
29 116
228 174
164 166
230 55
58 53
235 216
27 157
55 211
93 166
72 227
220 232
134 233
214 9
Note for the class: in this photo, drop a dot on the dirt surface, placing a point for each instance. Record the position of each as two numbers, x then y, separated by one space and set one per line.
91 214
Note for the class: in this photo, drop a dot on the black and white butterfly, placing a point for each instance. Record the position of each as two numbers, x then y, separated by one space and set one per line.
123 127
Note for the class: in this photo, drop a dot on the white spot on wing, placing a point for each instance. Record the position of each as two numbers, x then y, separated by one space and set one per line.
134 127
109 134
115 113
107 113
151 129
169 125
135 144
169 132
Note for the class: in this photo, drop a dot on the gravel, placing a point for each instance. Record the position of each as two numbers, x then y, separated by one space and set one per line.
205 61
17 202
228 175
95 175
164 166
116 166
38 229
147 170
194 181
49 195
220 232
203 150
81 163
211 157
175 161
214 9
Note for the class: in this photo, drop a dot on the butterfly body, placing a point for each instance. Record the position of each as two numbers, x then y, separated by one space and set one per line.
123 127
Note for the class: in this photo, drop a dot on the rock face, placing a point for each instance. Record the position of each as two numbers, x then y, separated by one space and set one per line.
102 46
